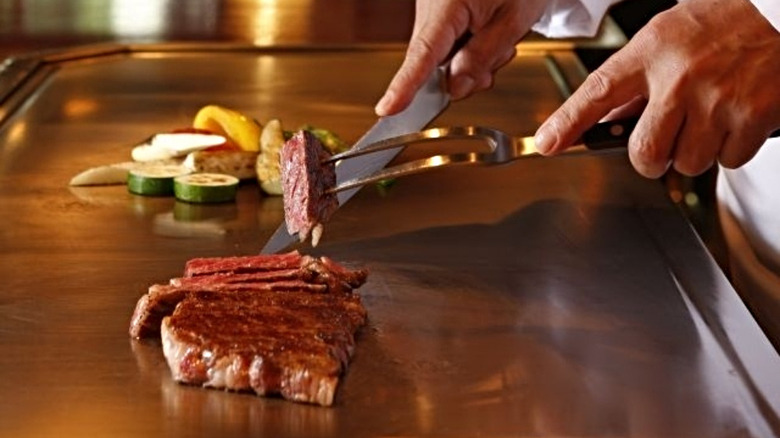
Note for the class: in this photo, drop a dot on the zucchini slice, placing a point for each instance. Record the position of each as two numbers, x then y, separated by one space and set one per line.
205 188
154 180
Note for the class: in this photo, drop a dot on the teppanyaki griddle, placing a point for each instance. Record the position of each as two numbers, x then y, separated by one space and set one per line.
549 297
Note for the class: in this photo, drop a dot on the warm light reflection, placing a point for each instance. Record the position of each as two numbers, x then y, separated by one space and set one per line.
266 69
424 411
16 133
133 18
10 143
76 108
437 160
266 24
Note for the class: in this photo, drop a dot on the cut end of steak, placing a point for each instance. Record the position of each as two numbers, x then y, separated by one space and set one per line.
242 264
305 181
294 344
276 325
276 273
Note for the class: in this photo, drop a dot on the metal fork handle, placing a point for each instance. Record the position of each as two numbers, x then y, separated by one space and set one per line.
432 134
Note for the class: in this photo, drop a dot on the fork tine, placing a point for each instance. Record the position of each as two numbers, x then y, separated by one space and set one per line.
413 167
499 142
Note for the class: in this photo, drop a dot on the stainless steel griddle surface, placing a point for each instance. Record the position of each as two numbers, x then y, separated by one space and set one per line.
549 297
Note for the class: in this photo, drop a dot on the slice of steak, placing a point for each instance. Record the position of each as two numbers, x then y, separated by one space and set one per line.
317 270
314 275
325 267
305 181
294 344
242 264
162 299
152 307
251 277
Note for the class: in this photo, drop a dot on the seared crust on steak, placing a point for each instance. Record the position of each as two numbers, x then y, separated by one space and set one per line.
305 184
282 324
293 344
284 272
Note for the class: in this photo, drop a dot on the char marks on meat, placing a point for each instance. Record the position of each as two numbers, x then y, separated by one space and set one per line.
305 184
257 323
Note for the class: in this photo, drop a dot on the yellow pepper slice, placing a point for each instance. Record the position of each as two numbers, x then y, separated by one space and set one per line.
244 131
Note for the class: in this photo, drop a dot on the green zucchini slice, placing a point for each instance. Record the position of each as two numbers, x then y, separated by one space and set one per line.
205 188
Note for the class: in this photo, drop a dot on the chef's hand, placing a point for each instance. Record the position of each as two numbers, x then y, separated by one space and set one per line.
495 27
706 73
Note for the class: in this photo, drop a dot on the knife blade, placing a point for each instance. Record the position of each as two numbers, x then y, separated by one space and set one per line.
428 103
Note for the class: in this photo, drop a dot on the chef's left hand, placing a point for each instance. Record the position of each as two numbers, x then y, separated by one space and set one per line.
706 74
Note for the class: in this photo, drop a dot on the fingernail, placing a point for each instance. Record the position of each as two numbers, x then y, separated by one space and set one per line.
544 139
461 86
382 107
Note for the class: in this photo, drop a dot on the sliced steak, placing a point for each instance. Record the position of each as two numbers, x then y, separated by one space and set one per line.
242 264
312 269
162 299
251 277
281 324
305 181
295 344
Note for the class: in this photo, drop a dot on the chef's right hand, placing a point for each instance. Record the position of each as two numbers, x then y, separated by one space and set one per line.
496 26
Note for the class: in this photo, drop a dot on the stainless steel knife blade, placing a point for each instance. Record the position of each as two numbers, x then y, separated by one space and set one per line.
429 101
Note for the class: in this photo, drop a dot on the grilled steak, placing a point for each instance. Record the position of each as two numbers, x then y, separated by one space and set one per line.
295 344
305 181
282 324
243 264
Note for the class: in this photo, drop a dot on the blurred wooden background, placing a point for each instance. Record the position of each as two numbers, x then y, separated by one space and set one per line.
33 25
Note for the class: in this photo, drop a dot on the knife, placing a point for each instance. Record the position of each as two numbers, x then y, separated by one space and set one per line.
428 103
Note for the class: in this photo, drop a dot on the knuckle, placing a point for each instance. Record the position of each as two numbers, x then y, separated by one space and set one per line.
421 51
648 158
653 34
599 85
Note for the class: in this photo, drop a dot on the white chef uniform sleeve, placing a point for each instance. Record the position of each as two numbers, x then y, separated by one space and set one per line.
573 18
770 9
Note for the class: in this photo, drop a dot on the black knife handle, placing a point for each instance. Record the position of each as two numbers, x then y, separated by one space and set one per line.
614 134
607 135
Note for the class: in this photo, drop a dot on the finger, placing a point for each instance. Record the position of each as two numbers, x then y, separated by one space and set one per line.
698 144
490 48
429 46
739 147
633 108
465 79
651 145
618 81
420 61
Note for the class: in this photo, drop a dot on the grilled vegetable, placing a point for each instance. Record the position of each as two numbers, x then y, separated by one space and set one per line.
240 164
176 144
154 180
242 130
331 141
205 188
268 169
103 175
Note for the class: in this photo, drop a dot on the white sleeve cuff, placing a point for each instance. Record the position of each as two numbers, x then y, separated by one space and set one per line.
575 18
770 9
